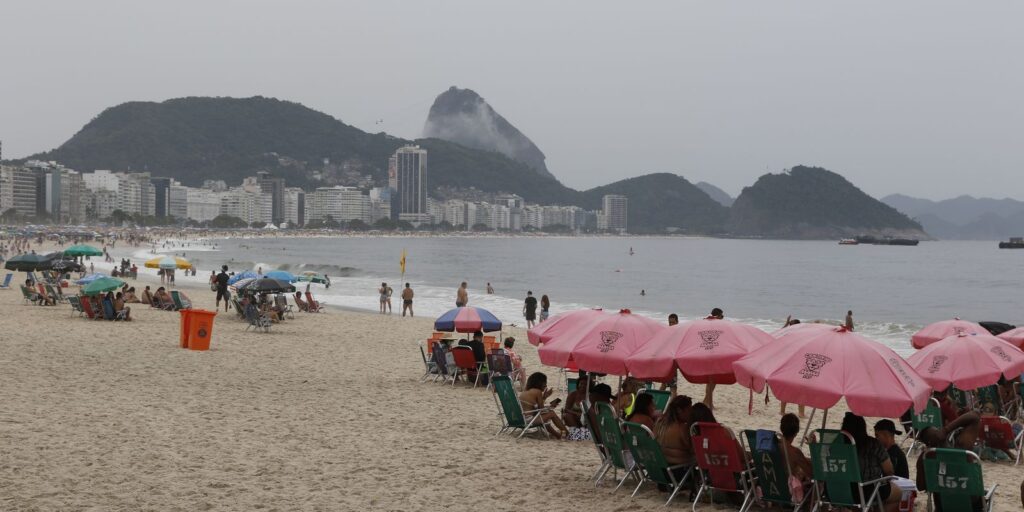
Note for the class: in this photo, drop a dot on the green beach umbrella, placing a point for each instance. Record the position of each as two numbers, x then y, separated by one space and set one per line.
102 285
311 277
82 250
25 262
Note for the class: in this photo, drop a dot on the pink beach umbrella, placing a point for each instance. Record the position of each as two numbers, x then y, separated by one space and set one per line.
968 362
1014 336
562 324
703 350
791 329
603 345
816 367
944 329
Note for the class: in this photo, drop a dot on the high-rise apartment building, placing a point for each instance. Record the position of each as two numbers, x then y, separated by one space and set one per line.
410 163
275 188
613 211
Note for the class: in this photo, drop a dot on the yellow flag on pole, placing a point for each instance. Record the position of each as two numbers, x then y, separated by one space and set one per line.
402 264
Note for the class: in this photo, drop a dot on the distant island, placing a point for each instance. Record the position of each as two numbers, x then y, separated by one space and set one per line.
201 138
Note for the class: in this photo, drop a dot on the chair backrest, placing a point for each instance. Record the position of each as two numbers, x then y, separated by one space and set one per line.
931 416
490 343
959 396
718 455
86 306
42 289
510 405
25 291
309 299
464 358
771 466
955 475
988 401
7 280
647 452
571 383
499 363
661 398
611 434
76 304
997 432
108 309
834 462
176 298
439 357
252 314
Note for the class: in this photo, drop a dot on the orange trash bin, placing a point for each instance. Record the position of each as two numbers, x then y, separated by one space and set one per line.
200 328
184 334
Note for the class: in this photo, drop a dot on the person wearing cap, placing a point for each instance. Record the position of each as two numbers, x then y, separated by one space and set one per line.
885 433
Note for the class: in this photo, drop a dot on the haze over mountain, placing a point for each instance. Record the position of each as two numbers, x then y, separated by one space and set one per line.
719 195
463 117
964 217
192 139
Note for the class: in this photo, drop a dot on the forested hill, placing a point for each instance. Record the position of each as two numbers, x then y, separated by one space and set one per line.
811 202
664 201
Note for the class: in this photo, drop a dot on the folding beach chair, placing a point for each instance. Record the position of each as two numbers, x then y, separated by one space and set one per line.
429 365
286 309
87 307
30 296
721 464
771 469
511 413
615 447
500 363
256 320
76 306
108 310
44 298
837 473
466 362
651 460
6 285
661 398
54 294
595 436
953 477
312 305
179 304
997 434
987 401
931 416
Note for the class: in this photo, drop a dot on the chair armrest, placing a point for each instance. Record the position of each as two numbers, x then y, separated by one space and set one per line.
879 480
990 493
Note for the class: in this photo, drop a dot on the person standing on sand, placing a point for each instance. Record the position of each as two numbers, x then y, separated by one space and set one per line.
222 287
462 296
490 289
407 300
545 307
709 389
530 309
389 292
849 320
383 293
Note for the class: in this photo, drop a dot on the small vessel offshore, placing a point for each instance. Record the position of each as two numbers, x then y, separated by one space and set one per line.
1014 243
886 241
848 241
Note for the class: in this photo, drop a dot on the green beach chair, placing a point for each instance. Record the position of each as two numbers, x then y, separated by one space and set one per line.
6 285
614 445
953 478
837 470
661 398
931 416
179 304
511 411
30 296
651 460
987 401
771 470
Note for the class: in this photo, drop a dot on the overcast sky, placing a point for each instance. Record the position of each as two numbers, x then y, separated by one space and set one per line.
919 97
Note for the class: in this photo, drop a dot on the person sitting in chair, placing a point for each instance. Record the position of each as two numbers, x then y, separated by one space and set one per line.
119 306
643 411
301 303
533 400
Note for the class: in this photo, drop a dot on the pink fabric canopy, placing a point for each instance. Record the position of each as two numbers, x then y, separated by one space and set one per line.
703 350
969 362
562 324
1014 336
816 367
944 329
602 345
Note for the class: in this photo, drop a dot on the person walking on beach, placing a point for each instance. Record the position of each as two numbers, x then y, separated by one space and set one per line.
490 289
462 296
530 309
849 320
545 306
407 300
383 291
222 287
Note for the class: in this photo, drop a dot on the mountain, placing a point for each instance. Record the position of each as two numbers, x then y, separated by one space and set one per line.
964 217
463 117
192 139
811 202
716 193
661 201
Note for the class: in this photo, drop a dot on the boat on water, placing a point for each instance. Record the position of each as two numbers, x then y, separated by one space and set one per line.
1014 243
886 241
848 241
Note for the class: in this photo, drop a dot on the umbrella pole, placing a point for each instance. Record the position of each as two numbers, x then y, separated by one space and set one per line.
807 428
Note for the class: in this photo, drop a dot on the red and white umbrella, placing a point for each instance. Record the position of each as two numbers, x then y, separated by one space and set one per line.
817 367
944 329
1014 336
563 324
703 350
603 345
968 362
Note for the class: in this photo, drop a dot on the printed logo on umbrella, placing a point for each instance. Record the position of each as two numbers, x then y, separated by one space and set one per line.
710 338
937 363
959 331
895 363
813 364
1002 355
608 339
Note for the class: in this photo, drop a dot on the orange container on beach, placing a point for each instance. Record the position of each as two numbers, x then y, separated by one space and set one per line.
183 330
200 328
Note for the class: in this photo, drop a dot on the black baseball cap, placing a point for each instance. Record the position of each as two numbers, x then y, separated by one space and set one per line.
888 426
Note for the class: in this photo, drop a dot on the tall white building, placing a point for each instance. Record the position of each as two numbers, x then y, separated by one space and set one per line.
614 211
341 204
294 206
202 204
410 164
240 203
177 200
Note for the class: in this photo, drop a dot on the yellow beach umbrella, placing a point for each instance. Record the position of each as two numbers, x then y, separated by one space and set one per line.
168 262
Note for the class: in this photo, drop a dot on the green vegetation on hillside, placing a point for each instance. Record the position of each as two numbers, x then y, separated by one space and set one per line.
663 200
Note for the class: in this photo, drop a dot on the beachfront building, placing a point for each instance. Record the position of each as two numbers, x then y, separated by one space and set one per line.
202 204
613 213
18 190
294 206
410 185
74 199
177 200
341 204
275 188
241 203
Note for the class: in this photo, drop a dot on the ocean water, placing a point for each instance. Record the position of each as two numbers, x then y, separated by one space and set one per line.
893 291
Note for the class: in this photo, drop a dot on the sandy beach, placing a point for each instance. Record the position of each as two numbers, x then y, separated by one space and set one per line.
326 412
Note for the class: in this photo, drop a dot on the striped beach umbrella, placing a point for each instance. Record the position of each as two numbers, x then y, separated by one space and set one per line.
467 319
168 263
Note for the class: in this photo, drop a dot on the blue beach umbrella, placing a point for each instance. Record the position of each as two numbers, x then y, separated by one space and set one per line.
280 275
248 274
467 319
90 278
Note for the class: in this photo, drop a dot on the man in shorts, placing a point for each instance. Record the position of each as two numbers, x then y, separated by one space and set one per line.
383 291
530 309
222 287
407 300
